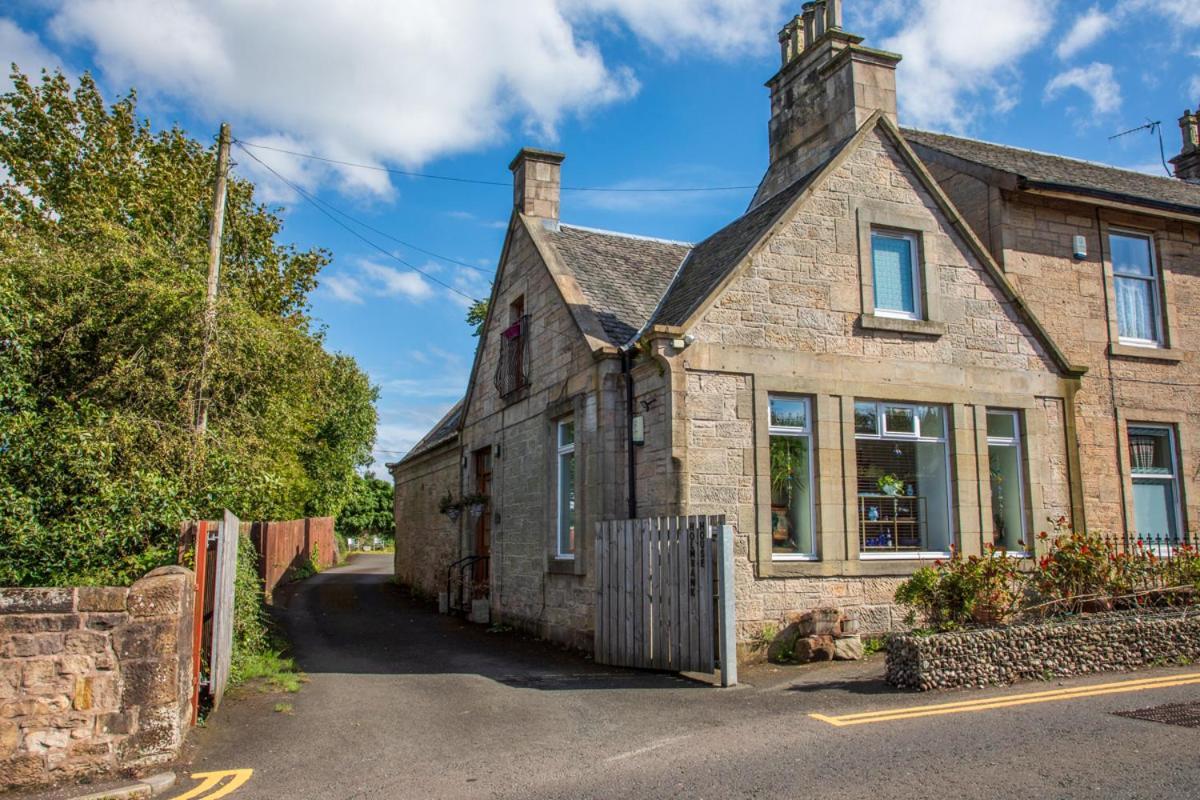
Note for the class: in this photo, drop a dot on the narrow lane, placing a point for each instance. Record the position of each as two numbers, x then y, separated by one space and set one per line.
403 703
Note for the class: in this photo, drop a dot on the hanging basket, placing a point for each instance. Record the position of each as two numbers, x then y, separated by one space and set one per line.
454 513
477 510
1142 450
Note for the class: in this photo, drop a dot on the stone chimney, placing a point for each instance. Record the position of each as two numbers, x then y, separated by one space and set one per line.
1187 163
537 182
828 86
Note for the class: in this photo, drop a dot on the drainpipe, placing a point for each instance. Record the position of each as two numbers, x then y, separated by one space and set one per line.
627 357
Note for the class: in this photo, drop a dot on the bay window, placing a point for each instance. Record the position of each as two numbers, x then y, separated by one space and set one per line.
791 478
1005 457
903 479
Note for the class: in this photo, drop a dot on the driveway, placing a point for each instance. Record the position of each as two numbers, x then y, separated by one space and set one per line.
404 703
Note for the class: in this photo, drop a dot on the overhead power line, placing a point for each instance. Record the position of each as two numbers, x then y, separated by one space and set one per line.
480 182
317 205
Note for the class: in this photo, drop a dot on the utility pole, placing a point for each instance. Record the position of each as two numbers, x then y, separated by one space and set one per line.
215 229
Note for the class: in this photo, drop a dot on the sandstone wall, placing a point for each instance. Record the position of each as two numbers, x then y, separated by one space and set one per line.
94 680
426 540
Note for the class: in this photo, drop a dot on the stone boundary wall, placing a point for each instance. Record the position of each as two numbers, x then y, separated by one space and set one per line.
989 657
94 679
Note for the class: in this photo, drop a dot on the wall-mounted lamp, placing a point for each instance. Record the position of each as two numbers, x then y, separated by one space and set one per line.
684 343
1080 247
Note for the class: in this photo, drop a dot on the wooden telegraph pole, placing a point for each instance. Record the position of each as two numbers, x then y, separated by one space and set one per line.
215 230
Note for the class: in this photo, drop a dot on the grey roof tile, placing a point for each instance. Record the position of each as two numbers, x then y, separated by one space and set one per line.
621 276
445 430
1050 171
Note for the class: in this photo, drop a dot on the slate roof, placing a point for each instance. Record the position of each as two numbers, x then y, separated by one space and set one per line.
1041 170
713 259
445 430
621 276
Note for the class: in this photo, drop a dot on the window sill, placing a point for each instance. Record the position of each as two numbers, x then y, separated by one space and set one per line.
914 556
1145 352
564 565
915 327
794 559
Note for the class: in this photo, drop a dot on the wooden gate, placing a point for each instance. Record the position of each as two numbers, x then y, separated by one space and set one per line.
664 595
211 547
221 655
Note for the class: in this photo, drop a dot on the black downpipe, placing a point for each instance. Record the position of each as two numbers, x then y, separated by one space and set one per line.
627 371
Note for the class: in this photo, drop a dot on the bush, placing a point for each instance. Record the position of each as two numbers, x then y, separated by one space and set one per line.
958 592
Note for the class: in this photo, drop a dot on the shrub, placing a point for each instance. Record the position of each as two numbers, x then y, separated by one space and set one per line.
957 592
1077 573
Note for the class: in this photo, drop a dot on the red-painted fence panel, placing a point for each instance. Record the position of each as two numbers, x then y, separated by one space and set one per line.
285 546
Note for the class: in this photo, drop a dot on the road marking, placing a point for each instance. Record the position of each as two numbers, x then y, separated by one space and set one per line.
648 748
210 780
989 703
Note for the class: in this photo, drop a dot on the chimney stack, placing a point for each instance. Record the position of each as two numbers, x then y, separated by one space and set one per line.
537 182
1187 163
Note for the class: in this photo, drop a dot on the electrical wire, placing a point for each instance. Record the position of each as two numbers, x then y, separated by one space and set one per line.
317 205
479 182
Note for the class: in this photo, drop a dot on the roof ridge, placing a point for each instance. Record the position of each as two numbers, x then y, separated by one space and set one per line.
622 235
1075 159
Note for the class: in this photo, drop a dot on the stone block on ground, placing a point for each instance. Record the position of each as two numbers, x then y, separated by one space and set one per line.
848 648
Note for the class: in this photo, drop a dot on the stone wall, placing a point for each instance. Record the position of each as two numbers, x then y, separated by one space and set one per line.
426 540
1103 643
94 680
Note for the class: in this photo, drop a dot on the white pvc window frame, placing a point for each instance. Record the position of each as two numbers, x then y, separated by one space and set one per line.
798 432
918 435
1153 280
564 448
1172 477
1016 442
914 268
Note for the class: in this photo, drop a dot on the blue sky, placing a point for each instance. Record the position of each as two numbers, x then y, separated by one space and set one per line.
638 93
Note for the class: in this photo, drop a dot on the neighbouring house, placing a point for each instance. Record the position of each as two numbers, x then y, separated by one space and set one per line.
909 343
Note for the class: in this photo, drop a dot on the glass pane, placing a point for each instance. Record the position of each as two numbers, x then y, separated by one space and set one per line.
1154 507
903 499
566 503
1131 255
933 421
791 496
1136 317
566 433
899 419
866 418
789 412
1150 451
1008 507
892 260
1001 425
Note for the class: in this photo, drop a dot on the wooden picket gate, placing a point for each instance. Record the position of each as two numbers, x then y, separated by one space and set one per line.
211 547
664 595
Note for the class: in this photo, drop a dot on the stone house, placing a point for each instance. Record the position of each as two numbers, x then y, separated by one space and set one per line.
909 343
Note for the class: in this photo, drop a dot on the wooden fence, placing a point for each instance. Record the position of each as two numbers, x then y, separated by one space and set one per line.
664 595
211 547
285 546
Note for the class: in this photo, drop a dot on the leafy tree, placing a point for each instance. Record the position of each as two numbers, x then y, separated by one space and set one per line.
369 511
477 315
103 257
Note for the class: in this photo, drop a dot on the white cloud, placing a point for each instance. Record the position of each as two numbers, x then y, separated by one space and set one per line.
1180 12
1095 80
392 83
20 47
390 282
959 57
346 288
1086 31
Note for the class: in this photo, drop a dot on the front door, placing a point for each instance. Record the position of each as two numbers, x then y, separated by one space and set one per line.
483 525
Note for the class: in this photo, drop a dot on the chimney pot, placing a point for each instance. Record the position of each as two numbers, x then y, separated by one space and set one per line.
1187 163
537 182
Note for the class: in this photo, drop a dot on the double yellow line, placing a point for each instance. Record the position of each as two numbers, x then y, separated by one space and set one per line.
210 781
987 704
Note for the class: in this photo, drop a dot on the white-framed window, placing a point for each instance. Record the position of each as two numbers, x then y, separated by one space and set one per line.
790 426
1006 460
1137 289
1157 514
895 274
903 480
565 480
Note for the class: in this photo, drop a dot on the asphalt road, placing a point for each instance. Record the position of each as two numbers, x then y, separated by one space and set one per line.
403 703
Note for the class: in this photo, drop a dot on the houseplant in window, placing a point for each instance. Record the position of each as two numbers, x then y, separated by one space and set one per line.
890 485
789 469
448 506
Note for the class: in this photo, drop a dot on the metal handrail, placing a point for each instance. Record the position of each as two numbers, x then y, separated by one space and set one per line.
462 565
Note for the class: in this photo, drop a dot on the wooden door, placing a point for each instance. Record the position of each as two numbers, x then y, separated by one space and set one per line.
483 525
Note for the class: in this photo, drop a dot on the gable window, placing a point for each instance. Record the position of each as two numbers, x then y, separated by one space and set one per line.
1138 297
903 479
1155 473
512 371
565 480
895 274
791 478
1005 458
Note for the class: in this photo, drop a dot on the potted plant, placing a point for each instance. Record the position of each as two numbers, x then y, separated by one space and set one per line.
475 504
890 485
449 507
